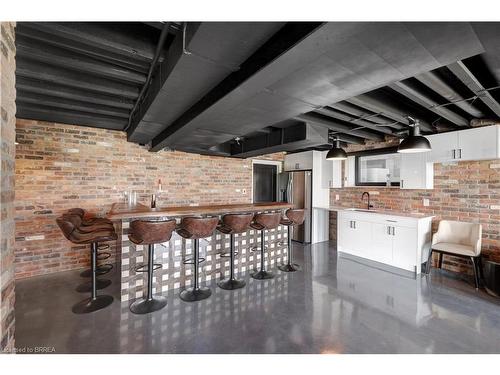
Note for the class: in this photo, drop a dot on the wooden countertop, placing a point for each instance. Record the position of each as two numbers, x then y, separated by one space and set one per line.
124 211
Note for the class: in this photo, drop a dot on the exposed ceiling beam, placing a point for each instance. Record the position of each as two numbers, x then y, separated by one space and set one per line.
129 62
366 115
353 120
58 57
34 112
337 126
282 41
100 35
388 110
59 91
48 101
466 76
435 83
419 98
47 73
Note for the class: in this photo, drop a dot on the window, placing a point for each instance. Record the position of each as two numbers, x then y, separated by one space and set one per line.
378 168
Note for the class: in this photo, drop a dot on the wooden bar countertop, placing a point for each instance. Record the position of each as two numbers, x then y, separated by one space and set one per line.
121 211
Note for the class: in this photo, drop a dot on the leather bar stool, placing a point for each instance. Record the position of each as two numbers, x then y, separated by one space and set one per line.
71 232
195 228
232 224
293 217
77 223
150 233
263 222
102 269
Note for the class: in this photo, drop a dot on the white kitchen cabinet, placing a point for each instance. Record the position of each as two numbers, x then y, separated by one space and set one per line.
398 241
470 144
403 247
331 173
416 172
299 161
479 143
350 171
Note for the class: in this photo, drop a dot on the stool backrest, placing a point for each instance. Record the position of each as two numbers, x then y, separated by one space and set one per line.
66 226
296 216
268 220
151 232
238 223
199 227
77 211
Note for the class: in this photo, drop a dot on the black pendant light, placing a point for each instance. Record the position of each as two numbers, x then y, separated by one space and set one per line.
336 152
415 142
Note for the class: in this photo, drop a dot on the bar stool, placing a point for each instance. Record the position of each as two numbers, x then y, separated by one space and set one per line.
195 228
292 218
150 233
262 222
101 255
94 302
232 224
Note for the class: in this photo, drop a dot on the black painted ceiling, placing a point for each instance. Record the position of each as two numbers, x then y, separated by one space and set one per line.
266 83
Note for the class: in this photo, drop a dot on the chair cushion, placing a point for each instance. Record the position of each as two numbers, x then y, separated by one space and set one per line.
454 248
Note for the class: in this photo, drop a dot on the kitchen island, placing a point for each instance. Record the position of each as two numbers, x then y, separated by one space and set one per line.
174 274
397 239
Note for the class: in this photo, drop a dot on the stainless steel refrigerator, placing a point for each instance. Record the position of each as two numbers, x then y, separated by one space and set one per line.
296 188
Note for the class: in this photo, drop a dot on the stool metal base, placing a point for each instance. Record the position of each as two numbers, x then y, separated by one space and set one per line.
289 267
231 284
89 305
144 306
262 275
87 286
192 294
100 270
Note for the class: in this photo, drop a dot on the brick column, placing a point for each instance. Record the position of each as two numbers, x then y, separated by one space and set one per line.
7 157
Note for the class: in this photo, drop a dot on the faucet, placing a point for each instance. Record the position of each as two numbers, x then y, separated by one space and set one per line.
368 195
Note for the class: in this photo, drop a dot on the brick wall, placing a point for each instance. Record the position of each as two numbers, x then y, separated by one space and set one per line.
61 166
7 153
465 191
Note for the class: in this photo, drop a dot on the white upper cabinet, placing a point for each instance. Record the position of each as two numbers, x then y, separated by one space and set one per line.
416 172
299 161
470 144
331 173
479 143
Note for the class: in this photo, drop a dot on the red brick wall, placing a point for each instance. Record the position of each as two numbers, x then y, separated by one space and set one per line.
7 154
465 191
61 166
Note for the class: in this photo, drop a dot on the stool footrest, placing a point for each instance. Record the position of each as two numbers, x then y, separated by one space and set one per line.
103 256
191 261
144 267
103 247
227 255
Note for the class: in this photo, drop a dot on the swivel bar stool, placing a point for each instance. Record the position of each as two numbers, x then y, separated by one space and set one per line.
101 255
232 224
262 222
77 223
195 228
292 218
94 302
150 233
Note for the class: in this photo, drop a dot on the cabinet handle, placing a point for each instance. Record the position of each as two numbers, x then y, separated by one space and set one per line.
388 230
354 223
393 231
454 154
460 153
402 183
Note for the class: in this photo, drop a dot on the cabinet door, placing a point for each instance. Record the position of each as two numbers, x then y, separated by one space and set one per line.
416 172
346 235
443 146
479 143
404 247
298 161
381 244
331 173
362 238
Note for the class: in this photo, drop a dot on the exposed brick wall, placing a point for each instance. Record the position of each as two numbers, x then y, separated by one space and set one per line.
465 191
61 166
7 154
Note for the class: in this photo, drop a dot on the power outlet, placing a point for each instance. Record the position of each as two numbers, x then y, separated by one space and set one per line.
426 202
244 191
337 197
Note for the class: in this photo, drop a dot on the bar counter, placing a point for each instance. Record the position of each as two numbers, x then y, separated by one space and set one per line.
174 274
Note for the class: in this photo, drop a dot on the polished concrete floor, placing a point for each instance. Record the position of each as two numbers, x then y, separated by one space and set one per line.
334 305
